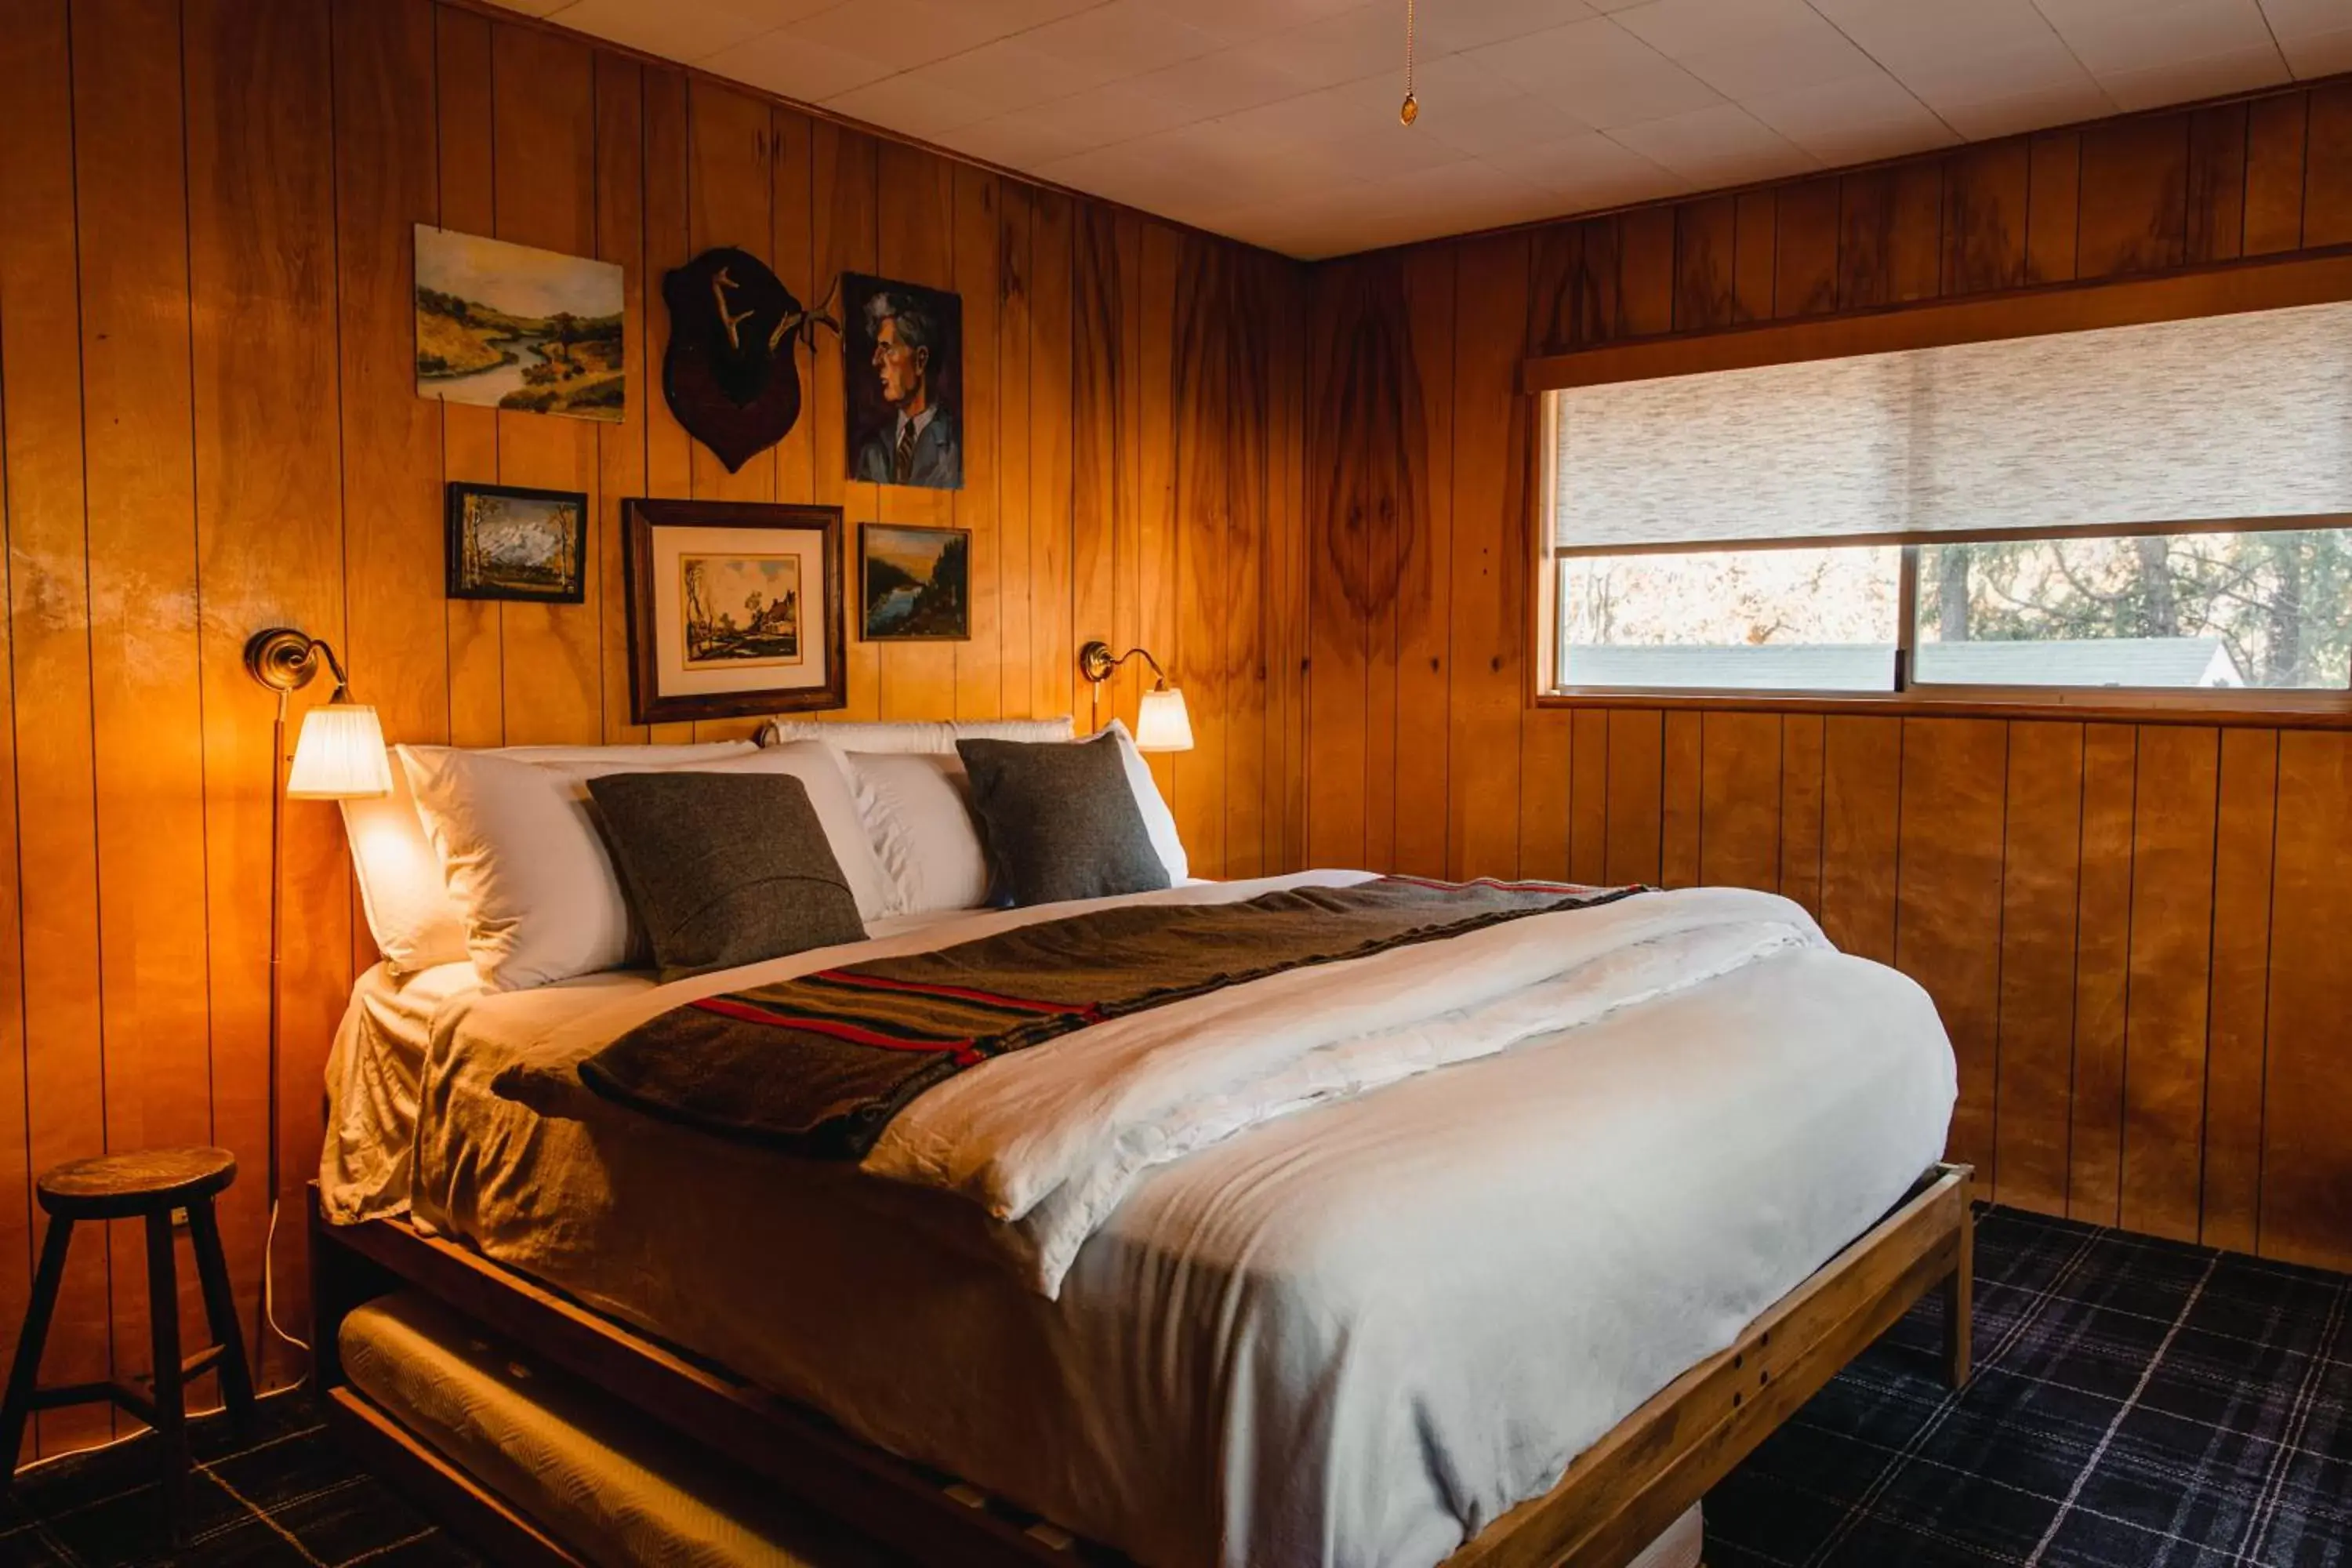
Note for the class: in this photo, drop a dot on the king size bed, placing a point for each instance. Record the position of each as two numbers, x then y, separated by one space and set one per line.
1496 1240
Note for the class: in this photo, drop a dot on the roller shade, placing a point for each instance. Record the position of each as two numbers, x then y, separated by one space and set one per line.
2221 419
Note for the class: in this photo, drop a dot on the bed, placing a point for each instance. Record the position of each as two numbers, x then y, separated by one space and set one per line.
1523 1308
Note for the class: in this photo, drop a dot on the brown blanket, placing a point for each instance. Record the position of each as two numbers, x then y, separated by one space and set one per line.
819 1065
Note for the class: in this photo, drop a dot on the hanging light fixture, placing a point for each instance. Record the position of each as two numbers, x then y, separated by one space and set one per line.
1411 110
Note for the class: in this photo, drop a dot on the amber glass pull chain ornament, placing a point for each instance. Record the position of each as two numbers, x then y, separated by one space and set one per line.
1411 110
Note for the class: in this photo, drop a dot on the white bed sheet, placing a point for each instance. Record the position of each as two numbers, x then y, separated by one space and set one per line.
1354 1336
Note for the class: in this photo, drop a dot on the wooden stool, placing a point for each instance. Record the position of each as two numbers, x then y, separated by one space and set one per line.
148 1185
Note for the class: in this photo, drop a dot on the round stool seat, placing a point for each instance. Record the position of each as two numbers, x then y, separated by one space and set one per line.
145 1181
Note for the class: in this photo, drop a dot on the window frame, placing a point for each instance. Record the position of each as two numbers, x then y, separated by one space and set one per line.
2222 289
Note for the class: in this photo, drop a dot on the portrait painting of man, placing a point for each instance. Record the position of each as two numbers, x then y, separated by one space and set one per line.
902 348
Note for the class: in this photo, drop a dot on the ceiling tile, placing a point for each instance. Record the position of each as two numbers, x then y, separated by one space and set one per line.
2307 18
1470 109
1104 116
1683 28
1015 142
1854 119
1241 21
2312 55
2113 37
902 34
2246 71
681 32
1722 145
910 106
1801 57
1123 38
1353 126
533 8
779 63
1906 36
1346 46
1221 83
1448 26
1589 169
1007 75
1983 119
1599 72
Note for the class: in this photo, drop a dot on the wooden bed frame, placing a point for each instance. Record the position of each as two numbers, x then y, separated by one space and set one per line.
1618 1496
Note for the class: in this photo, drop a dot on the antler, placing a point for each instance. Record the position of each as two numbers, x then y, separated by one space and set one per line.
720 283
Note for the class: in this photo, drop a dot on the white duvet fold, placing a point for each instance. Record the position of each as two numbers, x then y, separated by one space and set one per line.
1051 1140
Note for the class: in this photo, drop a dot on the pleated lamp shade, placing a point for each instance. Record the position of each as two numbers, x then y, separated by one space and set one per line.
1163 724
341 755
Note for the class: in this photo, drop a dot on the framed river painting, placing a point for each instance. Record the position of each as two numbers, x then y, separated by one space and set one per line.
506 326
735 607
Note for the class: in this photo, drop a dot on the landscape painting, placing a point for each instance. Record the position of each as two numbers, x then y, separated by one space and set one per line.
915 583
506 326
508 543
739 610
734 608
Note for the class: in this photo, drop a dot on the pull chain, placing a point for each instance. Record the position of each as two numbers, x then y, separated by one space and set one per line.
1411 110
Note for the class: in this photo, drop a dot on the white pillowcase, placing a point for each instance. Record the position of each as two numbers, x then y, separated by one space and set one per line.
1158 820
415 922
918 811
936 737
524 859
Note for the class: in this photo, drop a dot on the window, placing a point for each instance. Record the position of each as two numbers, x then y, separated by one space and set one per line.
2151 508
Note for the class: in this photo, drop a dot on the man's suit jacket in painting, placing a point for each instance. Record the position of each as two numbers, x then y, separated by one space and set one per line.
938 458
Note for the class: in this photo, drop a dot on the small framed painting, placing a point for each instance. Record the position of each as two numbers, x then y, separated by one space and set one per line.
508 542
735 607
914 584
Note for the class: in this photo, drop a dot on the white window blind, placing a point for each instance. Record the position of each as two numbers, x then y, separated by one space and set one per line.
2218 419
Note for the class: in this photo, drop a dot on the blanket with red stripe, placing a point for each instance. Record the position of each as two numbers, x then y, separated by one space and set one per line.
820 1064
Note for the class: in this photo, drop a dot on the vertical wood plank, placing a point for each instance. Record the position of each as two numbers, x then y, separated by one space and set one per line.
1948 903
915 242
1805 250
2275 128
2327 166
1425 584
668 243
1755 256
2217 184
1741 801
1862 786
2307 1169
2054 208
1588 800
1706 243
464 138
1890 234
1098 345
1054 634
1243 349
2135 196
50 622
843 178
1342 367
1015 306
1637 795
2245 843
620 450
1556 273
1680 785
1485 693
1157 567
2166 1017
2102 969
1985 194
979 662
545 137
1801 810
261 249
1645 271
2041 857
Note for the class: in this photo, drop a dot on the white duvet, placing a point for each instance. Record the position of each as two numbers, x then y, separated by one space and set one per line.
1344 1334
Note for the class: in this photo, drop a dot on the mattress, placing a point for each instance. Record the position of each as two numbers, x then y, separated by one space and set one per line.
1354 1336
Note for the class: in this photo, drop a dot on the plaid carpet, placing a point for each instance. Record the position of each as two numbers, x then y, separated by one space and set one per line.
2137 1404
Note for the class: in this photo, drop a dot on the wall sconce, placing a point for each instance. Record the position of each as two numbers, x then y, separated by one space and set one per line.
340 756
1162 724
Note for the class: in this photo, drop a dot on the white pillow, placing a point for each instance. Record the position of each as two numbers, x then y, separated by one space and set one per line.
416 922
524 859
1158 820
918 811
936 737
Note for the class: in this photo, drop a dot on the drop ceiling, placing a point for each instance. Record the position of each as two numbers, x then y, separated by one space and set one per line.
1275 120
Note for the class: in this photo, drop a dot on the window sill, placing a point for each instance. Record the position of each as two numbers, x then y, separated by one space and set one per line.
2275 710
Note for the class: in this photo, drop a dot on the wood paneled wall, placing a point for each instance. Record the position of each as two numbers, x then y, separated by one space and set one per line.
208 425
2131 929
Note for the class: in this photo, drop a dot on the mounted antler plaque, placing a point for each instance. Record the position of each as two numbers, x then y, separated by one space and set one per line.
730 376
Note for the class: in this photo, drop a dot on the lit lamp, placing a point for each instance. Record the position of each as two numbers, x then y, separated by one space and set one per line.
1161 724
340 756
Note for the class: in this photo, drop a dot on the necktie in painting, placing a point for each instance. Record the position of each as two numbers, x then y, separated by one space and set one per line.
903 466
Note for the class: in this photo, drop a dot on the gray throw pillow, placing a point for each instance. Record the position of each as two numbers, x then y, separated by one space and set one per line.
725 869
1060 819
